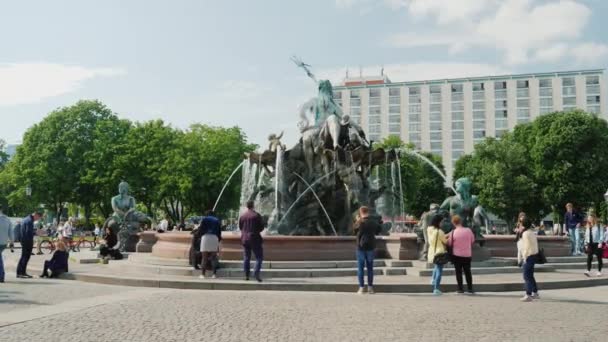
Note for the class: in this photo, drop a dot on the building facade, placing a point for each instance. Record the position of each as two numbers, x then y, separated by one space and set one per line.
448 117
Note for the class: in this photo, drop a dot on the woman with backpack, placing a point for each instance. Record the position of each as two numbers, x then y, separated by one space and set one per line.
437 252
529 257
593 241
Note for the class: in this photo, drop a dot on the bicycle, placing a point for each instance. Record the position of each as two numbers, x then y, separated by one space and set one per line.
47 245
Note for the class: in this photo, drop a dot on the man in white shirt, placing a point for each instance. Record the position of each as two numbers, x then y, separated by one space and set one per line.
6 238
163 226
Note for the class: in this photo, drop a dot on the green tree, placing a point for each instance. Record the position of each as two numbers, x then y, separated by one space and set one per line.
101 171
569 157
501 174
51 158
144 159
206 157
421 184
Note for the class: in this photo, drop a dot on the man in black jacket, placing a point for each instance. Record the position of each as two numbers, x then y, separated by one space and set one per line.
366 230
27 242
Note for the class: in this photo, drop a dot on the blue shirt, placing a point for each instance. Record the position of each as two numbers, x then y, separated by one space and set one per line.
571 220
27 229
211 225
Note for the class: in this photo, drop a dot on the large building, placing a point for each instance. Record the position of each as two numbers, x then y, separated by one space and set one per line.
449 116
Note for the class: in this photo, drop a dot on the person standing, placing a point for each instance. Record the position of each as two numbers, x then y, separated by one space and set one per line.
461 239
27 242
366 230
425 221
251 226
529 255
6 239
437 246
572 221
67 233
593 239
211 232
195 244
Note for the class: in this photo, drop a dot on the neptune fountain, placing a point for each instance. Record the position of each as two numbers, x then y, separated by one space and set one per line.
315 187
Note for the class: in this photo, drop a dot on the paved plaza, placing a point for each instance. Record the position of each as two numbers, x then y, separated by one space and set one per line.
53 310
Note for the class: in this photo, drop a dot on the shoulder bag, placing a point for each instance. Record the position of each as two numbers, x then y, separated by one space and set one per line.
440 258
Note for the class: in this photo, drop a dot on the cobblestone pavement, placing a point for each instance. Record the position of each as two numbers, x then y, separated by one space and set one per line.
41 310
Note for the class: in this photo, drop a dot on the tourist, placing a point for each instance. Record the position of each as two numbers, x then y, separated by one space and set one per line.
519 229
366 230
109 248
211 232
528 258
67 233
593 238
58 263
195 244
425 221
251 226
437 247
461 239
6 239
26 239
163 226
97 231
572 222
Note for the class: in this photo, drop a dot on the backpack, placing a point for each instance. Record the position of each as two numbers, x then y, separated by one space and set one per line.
17 232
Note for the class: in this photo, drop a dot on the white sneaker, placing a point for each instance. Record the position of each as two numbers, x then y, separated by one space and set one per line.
587 273
535 296
361 291
370 290
202 277
214 276
526 298
598 274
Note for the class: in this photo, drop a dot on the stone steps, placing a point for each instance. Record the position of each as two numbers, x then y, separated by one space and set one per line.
493 263
239 273
156 261
481 270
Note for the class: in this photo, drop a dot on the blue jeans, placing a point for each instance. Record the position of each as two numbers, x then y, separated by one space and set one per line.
436 280
2 247
365 259
528 268
575 240
258 251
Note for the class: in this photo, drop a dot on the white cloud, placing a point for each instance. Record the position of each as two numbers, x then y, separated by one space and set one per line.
241 90
446 11
521 29
22 83
589 53
418 71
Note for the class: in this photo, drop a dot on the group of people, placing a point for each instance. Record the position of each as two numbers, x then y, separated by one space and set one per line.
24 233
207 237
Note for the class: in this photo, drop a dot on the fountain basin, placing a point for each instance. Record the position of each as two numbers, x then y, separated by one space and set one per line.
291 248
176 245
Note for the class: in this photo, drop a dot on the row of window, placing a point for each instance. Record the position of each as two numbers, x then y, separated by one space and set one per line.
592 83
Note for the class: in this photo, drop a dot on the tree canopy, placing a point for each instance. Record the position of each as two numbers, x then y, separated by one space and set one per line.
421 184
558 158
79 155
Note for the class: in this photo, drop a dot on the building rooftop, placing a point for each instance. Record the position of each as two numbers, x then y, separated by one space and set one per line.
383 80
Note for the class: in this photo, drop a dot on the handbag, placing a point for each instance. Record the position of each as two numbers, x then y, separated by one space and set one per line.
605 251
440 258
540 257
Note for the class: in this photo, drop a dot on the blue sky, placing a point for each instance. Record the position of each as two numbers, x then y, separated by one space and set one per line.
228 62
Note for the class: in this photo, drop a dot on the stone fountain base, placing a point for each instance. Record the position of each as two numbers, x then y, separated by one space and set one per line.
176 245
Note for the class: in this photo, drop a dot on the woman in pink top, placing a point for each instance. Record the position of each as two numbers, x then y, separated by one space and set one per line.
461 239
